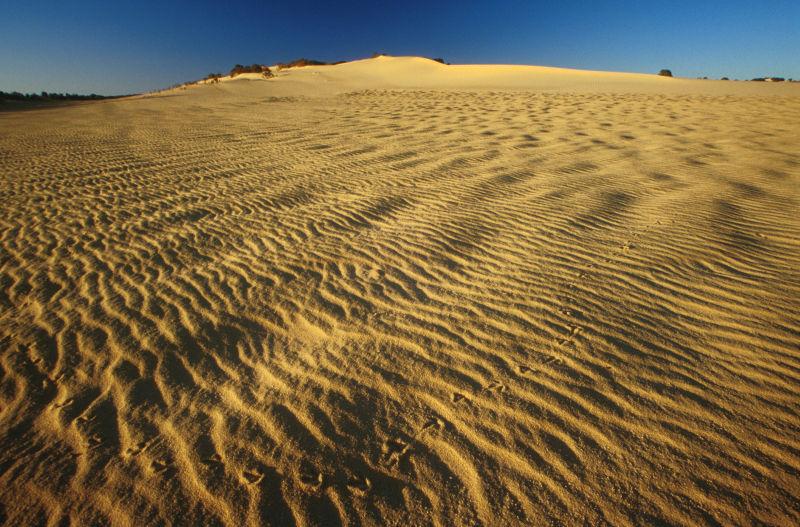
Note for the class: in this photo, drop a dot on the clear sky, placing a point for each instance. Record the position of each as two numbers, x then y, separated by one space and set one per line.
121 46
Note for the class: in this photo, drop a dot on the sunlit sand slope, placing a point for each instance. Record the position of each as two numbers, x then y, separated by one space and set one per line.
229 305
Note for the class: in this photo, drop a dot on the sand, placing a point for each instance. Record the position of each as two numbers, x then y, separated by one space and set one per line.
395 292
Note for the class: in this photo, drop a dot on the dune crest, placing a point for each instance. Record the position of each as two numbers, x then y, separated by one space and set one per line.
386 292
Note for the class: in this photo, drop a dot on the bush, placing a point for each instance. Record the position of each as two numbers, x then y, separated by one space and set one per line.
253 68
299 63
665 73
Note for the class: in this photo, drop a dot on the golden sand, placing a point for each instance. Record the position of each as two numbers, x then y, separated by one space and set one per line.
396 292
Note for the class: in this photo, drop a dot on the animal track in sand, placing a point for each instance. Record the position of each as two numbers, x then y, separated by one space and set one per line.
137 449
543 360
159 466
395 451
83 419
495 386
573 332
457 397
434 423
552 360
66 403
359 485
376 275
253 476
215 459
310 479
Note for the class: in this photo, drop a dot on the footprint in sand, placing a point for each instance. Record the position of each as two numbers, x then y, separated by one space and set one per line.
495 386
394 451
216 459
310 480
253 476
433 423
66 403
573 331
376 275
552 360
84 419
359 485
457 397
160 465
140 447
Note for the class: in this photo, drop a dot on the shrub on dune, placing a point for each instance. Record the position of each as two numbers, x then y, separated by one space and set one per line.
299 63
253 68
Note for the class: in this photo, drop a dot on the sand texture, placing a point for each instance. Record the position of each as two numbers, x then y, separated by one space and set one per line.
352 296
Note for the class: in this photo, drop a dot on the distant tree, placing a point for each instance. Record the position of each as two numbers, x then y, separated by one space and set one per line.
725 79
50 96
665 73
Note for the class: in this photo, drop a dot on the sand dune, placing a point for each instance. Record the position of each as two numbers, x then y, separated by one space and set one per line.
392 292
416 72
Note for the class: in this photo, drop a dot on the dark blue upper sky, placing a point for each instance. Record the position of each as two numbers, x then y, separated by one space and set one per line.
122 46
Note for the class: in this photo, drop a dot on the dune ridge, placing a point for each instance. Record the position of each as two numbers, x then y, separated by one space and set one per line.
316 300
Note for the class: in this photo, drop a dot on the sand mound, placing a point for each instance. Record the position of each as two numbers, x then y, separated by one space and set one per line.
247 304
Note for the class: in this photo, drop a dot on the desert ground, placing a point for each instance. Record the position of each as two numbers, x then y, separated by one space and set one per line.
395 292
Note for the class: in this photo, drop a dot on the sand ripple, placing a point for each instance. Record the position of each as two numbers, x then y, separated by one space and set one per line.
401 307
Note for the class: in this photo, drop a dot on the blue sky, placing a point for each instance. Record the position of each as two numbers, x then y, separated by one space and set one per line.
125 46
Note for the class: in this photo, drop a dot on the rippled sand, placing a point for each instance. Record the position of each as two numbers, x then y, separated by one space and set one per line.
254 303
